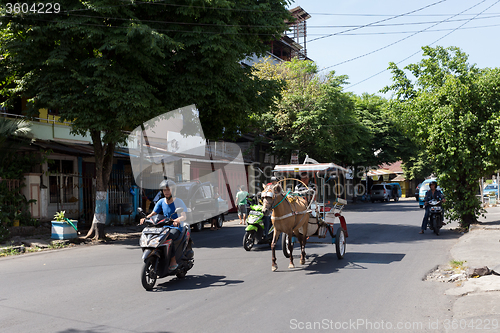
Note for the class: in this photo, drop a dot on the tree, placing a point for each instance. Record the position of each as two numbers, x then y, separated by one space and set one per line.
383 140
110 65
313 114
453 109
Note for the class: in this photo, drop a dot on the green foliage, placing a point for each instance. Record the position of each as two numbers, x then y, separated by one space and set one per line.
58 245
109 68
4 232
453 110
316 117
10 251
382 139
313 115
59 216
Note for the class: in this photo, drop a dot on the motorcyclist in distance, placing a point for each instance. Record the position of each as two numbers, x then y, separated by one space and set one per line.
166 206
433 193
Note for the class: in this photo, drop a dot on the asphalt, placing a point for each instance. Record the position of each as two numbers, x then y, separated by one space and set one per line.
476 298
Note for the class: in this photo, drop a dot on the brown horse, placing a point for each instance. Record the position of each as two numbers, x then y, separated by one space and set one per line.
287 217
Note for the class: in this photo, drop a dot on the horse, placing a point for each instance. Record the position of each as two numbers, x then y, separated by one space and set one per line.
287 217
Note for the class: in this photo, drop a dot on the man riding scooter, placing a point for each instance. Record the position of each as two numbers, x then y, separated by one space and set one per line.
431 194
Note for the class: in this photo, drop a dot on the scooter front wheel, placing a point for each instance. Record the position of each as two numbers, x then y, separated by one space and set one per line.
148 273
249 240
436 224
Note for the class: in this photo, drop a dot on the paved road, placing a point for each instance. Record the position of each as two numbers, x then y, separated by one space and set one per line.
376 287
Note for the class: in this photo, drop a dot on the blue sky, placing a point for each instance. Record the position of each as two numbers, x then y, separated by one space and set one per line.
477 35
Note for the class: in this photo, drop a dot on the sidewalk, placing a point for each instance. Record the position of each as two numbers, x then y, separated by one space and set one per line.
41 239
478 297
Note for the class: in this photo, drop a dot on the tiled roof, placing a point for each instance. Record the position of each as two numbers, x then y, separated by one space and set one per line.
394 167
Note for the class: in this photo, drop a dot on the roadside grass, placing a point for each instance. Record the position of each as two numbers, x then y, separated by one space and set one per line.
458 266
9 251
16 250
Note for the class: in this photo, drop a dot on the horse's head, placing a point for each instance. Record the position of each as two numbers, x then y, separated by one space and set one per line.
269 197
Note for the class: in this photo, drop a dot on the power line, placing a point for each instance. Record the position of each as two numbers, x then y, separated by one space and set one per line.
398 24
385 15
402 39
370 24
434 42
413 31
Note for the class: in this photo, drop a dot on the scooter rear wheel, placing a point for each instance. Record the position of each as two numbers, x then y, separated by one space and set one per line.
148 274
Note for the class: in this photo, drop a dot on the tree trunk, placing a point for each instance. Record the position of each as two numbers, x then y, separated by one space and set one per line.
103 163
467 220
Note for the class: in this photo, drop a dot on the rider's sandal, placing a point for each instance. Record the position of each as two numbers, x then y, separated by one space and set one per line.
173 267
421 232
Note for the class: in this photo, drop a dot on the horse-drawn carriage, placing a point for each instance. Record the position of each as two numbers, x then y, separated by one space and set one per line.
312 212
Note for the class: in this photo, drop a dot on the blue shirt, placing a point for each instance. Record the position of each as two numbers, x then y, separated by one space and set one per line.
168 210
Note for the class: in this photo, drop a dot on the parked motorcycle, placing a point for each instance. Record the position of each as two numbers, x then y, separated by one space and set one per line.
157 249
254 232
435 215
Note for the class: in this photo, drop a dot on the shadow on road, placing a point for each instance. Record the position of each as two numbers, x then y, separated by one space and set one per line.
191 282
391 206
375 233
329 263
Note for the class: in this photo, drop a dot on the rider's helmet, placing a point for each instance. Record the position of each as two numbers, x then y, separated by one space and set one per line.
170 184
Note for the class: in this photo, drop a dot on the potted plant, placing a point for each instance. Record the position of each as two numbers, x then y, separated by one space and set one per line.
62 227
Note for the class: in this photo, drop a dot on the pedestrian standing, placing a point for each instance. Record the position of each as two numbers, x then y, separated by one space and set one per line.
241 202
214 219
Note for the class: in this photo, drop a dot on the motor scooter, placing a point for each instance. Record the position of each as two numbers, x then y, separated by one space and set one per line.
254 232
157 249
435 215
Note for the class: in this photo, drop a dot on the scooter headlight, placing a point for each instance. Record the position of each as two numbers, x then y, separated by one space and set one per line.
148 240
143 241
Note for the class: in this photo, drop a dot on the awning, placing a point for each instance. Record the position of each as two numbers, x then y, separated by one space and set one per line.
73 149
321 167
379 172
399 178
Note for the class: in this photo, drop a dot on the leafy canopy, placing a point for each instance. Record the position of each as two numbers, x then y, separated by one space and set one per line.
110 65
313 114
453 109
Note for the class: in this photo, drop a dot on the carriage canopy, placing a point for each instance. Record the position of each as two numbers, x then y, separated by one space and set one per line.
330 179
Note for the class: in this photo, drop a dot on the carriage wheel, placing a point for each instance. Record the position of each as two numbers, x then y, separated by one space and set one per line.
340 243
284 245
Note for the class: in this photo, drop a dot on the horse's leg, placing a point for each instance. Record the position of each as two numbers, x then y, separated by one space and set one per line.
302 241
290 250
274 266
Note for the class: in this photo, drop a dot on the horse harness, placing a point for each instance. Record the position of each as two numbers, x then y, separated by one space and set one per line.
270 194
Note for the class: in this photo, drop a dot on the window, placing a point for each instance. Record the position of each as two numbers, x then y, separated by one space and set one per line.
61 181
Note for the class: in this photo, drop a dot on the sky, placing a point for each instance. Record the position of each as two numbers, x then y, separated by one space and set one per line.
359 38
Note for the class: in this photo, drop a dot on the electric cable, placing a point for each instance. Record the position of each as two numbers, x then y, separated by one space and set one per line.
437 40
402 39
369 24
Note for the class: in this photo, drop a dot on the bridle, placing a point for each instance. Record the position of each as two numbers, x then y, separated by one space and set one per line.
269 193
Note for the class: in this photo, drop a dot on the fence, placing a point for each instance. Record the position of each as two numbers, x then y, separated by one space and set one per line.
82 189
